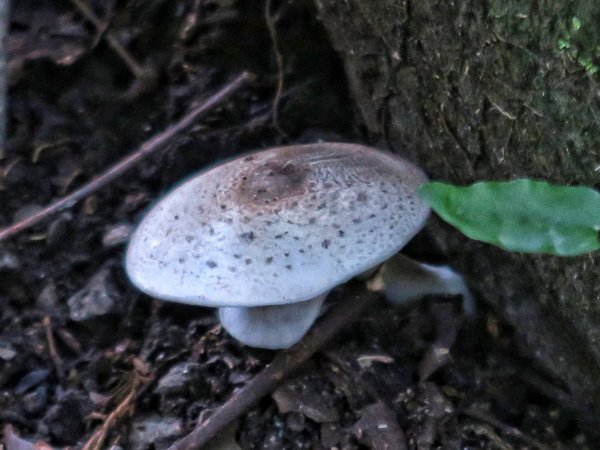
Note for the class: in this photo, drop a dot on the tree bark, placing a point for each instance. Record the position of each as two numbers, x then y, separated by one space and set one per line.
492 90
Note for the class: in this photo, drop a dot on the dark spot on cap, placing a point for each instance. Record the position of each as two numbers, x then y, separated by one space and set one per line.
325 243
269 259
361 197
312 220
288 267
248 261
248 236
269 182
211 264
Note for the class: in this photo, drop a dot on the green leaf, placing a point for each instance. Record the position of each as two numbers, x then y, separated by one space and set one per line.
521 215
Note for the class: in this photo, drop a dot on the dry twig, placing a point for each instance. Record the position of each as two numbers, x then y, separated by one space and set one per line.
136 69
150 146
140 377
286 361
56 359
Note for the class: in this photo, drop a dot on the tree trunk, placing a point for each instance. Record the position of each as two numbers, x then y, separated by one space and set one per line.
481 90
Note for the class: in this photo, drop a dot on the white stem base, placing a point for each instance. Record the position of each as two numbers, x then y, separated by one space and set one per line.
271 327
404 280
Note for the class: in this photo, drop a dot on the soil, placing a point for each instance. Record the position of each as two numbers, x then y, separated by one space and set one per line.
85 359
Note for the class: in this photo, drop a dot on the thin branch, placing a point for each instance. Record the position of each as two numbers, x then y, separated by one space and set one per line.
136 69
140 378
150 146
56 359
286 361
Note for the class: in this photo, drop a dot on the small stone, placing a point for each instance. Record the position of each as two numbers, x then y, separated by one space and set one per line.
331 434
35 402
30 380
154 432
8 261
295 421
48 298
378 428
66 420
98 298
7 352
116 235
177 379
59 231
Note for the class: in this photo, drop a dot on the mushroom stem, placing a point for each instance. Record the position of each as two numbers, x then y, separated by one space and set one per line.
271 327
403 280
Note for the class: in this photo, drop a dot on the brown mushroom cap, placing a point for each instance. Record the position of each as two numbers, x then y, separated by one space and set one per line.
278 226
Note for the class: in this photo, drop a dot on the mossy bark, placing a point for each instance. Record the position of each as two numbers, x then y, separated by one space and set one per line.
478 90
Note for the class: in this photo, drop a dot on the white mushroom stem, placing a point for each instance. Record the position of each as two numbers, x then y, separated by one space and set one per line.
271 327
403 280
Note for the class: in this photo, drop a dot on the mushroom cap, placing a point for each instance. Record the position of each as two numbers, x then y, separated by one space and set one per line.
278 226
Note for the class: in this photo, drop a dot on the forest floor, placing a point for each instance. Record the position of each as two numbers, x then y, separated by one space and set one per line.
89 362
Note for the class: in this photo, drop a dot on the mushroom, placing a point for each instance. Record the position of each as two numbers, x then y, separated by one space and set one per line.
265 237
403 280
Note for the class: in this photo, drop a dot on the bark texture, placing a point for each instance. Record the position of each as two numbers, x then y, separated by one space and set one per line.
485 89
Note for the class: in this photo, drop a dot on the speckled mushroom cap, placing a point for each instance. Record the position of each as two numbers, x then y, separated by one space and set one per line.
279 226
